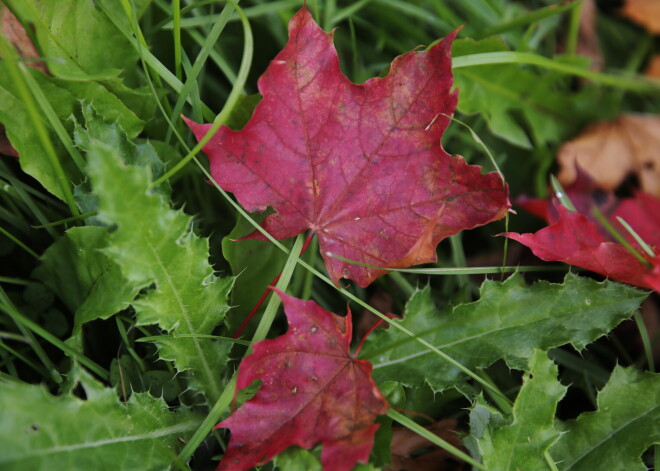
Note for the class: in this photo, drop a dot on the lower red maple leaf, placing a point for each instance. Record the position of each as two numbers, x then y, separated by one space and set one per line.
576 238
313 391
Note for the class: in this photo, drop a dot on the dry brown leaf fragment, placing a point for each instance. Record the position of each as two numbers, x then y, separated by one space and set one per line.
610 152
14 31
643 12
410 452
653 69
5 146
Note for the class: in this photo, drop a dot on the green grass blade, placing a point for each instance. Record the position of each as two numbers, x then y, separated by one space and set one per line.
422 432
221 118
18 73
227 395
531 17
647 248
18 242
632 83
176 33
20 319
207 46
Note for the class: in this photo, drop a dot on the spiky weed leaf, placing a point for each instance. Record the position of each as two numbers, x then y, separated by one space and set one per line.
157 249
509 321
39 431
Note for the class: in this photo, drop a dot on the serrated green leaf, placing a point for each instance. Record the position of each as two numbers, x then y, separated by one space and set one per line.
39 431
88 281
102 128
156 249
626 423
501 91
297 459
520 442
509 321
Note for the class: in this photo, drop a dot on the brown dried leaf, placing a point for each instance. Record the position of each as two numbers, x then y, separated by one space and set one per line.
406 443
653 69
643 12
609 152
5 146
13 30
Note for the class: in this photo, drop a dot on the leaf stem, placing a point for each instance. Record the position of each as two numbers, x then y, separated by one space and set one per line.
550 461
266 292
64 221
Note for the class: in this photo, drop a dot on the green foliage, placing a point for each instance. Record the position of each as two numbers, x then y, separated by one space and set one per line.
40 431
520 441
64 97
625 424
509 321
158 251
69 33
88 281
503 94
297 459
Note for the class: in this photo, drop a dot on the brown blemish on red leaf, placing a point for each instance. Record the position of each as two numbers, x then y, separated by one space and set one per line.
370 171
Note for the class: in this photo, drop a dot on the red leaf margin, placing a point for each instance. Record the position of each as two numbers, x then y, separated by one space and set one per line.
313 391
575 239
360 165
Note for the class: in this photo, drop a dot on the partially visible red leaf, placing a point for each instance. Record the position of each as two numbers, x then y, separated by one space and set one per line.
5 146
14 31
360 165
576 238
313 391
653 278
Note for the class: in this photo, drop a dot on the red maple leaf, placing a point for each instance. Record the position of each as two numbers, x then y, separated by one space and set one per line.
360 165
313 391
577 238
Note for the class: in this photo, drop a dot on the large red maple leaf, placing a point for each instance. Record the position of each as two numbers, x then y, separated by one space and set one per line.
360 165
577 238
313 391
